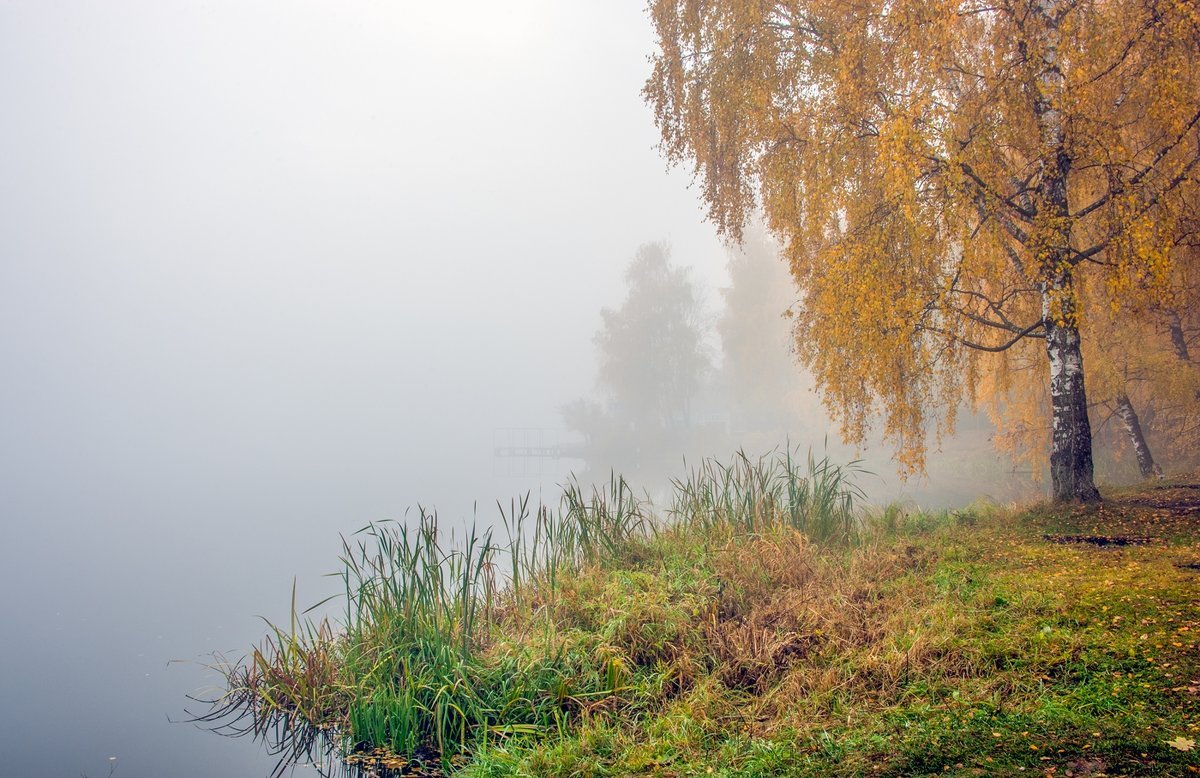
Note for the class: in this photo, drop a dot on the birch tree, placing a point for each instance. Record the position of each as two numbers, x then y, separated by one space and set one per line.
944 174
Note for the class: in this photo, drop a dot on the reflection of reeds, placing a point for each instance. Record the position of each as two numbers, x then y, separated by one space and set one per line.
287 693
441 653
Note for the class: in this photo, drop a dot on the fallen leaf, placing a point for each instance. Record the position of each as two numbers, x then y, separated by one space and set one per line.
1182 743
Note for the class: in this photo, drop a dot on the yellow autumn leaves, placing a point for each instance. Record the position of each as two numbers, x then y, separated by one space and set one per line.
946 177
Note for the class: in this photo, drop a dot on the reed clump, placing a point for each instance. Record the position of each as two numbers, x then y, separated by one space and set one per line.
762 624
446 649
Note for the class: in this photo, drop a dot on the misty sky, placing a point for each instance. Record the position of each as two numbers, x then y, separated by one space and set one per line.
269 271
315 235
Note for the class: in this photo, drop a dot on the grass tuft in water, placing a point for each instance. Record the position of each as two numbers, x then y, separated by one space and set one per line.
765 625
446 648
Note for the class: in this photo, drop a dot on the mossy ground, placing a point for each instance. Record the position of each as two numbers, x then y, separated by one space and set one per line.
962 643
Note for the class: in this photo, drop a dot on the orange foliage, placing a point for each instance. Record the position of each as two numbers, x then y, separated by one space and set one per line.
908 155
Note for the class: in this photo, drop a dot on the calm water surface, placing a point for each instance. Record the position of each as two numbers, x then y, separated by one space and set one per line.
121 568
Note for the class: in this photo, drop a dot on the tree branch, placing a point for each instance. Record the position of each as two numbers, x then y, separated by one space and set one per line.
1091 251
1028 332
1147 170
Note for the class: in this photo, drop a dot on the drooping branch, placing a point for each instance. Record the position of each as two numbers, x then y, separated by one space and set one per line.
983 190
1001 322
1146 170
1123 55
1028 332
1014 232
1183 176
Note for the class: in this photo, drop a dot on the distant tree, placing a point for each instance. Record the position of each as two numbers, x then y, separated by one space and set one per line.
1142 382
652 360
652 364
759 370
1169 377
945 175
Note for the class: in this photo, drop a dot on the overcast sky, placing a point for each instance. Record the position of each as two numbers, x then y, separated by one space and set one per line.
283 226
269 271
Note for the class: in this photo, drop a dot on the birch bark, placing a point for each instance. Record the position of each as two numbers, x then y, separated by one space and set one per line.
1133 426
1071 469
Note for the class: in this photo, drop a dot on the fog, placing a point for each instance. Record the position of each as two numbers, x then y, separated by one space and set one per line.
269 271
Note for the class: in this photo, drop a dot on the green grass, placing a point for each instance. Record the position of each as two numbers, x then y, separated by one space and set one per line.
764 625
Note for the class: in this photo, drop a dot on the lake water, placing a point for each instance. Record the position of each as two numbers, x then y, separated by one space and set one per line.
122 569
114 568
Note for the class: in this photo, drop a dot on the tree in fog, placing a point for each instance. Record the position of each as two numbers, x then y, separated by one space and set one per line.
958 184
652 364
759 374
1144 383
652 361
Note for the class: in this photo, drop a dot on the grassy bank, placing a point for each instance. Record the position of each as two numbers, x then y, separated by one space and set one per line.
762 625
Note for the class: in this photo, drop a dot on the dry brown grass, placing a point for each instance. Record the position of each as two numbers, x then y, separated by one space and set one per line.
785 606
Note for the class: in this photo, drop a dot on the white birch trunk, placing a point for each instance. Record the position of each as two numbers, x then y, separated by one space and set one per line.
1133 427
1071 442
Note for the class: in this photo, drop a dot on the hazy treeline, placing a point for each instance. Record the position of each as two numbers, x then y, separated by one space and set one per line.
676 382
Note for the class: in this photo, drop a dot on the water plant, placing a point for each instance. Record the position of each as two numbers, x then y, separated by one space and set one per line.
446 648
747 495
759 626
405 670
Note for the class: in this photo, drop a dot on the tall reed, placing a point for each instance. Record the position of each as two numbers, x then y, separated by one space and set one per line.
409 668
748 495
